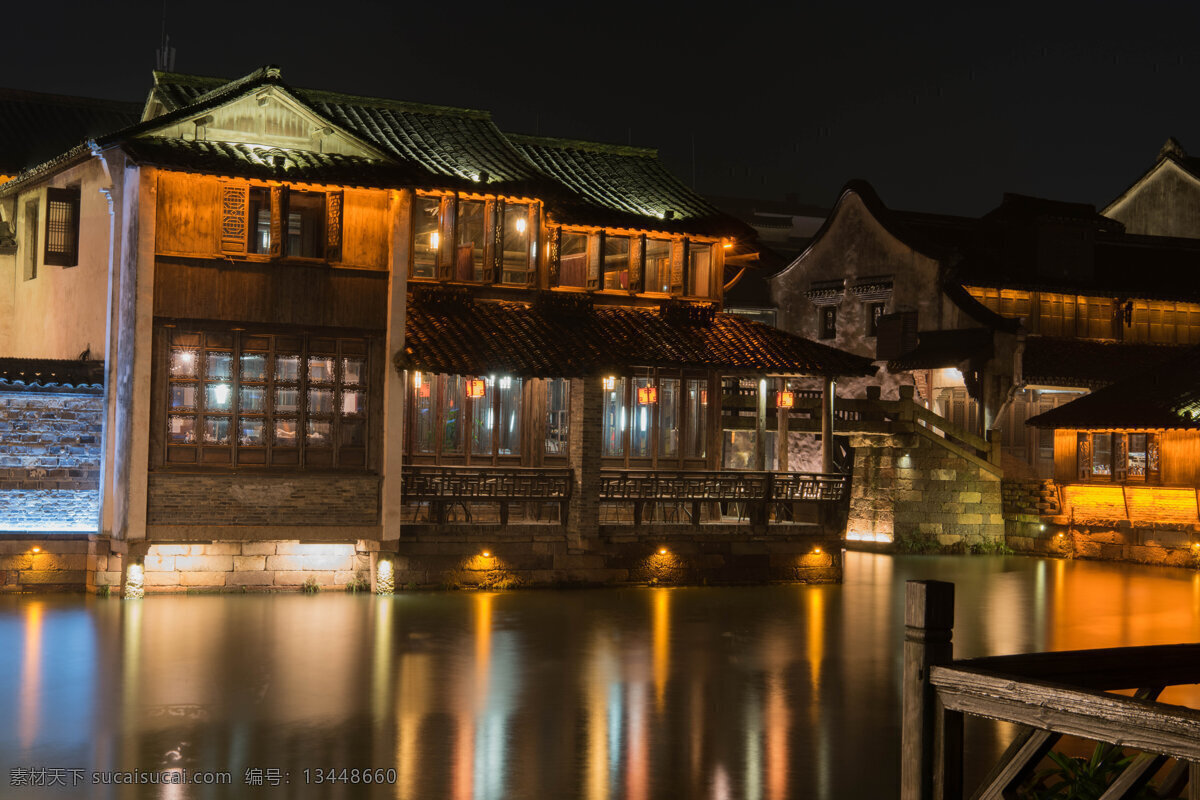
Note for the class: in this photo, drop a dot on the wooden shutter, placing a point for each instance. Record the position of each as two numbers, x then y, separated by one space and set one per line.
235 216
637 261
678 258
1083 449
62 227
493 252
554 253
278 217
333 226
595 256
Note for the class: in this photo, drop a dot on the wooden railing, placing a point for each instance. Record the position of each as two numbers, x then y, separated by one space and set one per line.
1048 695
749 496
443 489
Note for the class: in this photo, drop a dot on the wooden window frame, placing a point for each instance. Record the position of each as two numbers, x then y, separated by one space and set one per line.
237 228
62 202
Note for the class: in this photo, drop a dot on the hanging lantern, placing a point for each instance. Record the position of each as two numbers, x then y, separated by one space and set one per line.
647 395
423 390
785 399
704 397
610 383
476 388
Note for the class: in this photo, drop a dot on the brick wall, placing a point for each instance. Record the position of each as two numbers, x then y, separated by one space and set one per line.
312 499
49 460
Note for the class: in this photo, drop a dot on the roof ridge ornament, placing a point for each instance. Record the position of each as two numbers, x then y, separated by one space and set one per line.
1171 149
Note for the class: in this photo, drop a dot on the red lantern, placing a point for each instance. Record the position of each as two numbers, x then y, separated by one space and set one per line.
704 397
785 399
476 388
423 390
647 395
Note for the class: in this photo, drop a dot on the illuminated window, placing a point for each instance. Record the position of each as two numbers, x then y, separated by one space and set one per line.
260 220
271 400
472 231
615 417
516 262
1118 457
305 225
62 227
558 416
699 269
658 265
573 259
616 262
427 234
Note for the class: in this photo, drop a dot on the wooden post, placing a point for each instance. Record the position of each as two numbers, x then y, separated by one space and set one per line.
760 427
827 389
994 446
781 433
928 627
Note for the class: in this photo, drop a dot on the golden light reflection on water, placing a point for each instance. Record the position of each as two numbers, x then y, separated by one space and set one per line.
756 692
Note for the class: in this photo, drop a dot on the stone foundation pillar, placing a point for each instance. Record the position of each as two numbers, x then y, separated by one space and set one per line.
583 453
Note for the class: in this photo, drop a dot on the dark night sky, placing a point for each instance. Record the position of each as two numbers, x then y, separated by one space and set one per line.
941 107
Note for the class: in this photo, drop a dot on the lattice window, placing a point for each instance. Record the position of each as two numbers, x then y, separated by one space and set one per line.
62 227
233 218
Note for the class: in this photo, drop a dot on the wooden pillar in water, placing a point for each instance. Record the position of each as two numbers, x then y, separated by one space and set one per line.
928 627
827 425
760 427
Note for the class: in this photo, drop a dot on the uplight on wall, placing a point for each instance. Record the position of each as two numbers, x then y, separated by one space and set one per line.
385 577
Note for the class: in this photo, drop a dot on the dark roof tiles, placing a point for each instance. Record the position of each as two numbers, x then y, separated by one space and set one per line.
1052 361
51 373
36 127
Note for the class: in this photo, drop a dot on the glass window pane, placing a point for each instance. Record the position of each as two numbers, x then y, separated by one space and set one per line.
699 261
482 420
558 416
1102 454
1137 455
287 401
668 418
643 418
658 265
614 417
183 396
616 262
454 389
697 419
252 400
260 221
468 259
354 433
352 371
516 244
319 433
285 432
320 369
218 397
218 365
216 430
510 416
572 257
287 368
426 236
354 402
320 401
306 224
183 363
424 411
181 430
250 431
254 367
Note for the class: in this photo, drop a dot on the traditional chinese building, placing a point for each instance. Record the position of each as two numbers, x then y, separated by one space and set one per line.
338 332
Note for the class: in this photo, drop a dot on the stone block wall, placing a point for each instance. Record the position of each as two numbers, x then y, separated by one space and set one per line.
1169 546
55 563
50 460
303 499
912 486
263 566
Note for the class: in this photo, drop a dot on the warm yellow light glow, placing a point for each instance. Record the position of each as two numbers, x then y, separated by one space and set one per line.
785 399
520 224
221 393
487 554
647 395
1060 535
37 549
417 380
662 551
476 388
385 578
727 245
817 550
434 240
186 356
610 383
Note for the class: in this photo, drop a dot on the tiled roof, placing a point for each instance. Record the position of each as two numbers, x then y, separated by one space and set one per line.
945 348
35 127
1051 361
461 148
451 334
625 186
51 373
248 161
1165 396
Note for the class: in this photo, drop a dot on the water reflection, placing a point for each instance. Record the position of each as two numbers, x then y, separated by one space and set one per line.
757 692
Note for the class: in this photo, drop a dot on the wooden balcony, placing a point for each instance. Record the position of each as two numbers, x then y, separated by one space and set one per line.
489 495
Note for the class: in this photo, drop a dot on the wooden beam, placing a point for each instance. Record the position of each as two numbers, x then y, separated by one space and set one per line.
1018 762
1134 777
1106 668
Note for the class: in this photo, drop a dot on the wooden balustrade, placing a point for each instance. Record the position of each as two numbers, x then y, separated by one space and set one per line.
1048 695
444 487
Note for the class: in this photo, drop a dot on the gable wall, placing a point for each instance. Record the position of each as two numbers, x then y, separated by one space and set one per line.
1167 203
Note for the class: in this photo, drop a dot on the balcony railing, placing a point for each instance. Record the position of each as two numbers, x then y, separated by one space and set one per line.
438 495
725 497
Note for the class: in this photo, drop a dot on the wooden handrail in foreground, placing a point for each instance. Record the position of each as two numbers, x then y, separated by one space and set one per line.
1048 695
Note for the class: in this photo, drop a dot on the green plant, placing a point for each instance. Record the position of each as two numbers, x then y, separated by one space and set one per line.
358 584
918 544
310 586
990 547
1076 778
104 591
454 579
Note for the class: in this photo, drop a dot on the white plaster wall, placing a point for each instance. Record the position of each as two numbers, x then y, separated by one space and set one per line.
62 311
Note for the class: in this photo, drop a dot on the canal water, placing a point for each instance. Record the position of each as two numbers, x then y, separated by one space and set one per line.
748 692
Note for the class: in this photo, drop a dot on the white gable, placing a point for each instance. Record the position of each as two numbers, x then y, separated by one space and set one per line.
270 117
